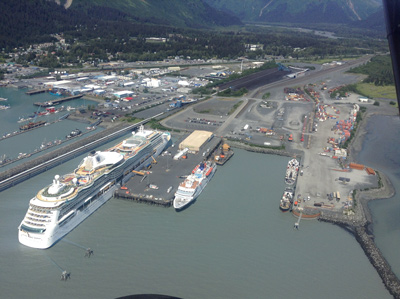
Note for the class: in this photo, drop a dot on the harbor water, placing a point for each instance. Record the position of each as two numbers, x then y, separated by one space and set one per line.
233 242
42 137
381 150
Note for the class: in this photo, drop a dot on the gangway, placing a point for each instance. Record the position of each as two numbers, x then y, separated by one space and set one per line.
154 160
297 224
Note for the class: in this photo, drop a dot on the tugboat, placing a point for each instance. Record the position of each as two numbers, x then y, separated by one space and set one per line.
287 200
292 171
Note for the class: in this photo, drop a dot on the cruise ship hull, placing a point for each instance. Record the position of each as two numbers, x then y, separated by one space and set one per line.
46 240
57 229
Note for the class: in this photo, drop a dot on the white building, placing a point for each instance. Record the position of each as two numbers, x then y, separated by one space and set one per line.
123 94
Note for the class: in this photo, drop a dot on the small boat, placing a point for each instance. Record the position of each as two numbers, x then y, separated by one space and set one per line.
74 133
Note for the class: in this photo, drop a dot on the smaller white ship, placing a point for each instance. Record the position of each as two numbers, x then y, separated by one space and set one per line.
194 184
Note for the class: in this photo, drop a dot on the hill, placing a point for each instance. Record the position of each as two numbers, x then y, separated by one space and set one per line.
26 22
304 11
188 13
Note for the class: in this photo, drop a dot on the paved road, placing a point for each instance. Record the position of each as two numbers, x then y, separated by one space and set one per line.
311 76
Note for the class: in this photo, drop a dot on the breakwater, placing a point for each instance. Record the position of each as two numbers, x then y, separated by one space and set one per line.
372 252
359 225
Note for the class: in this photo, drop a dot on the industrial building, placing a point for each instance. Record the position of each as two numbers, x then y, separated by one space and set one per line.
123 94
196 140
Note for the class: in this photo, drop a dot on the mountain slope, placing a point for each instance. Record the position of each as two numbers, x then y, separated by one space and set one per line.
188 13
295 11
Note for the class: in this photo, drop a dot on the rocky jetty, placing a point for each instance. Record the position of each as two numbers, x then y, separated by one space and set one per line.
359 224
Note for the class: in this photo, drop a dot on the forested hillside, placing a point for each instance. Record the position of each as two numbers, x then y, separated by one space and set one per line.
187 13
23 22
379 71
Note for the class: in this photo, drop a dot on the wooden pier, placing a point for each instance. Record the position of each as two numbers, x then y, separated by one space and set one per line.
57 101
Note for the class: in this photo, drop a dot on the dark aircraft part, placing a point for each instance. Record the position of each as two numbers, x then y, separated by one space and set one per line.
392 16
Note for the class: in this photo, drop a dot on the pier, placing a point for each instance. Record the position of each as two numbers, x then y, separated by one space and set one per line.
36 91
297 224
149 199
57 101
158 181
31 168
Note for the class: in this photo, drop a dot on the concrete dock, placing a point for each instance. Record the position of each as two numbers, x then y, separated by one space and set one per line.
152 185
36 91
57 101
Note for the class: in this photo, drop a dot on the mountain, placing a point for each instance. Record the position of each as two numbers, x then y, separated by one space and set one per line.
298 11
180 13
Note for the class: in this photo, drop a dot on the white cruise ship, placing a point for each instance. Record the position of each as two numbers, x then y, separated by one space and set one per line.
60 207
192 186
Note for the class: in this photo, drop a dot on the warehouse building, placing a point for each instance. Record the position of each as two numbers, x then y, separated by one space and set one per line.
195 141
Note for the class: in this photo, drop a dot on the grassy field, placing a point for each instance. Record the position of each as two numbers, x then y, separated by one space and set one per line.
373 91
325 60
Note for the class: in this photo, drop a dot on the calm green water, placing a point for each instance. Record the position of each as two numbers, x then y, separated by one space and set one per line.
232 243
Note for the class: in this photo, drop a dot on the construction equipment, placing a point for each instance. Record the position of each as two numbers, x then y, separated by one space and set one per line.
138 172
